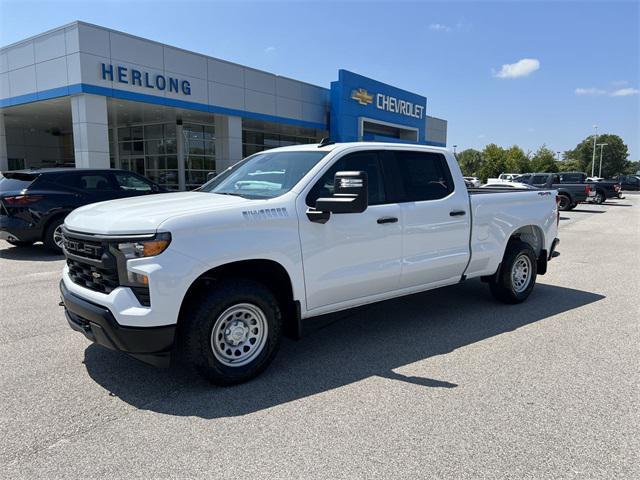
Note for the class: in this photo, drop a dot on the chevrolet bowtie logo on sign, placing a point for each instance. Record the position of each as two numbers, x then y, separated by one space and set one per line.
362 96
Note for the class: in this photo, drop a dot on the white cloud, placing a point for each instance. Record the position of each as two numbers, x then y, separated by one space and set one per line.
269 50
621 92
625 92
439 27
521 68
619 83
482 135
590 91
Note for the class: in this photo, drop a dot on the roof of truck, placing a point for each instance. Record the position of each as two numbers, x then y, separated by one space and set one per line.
327 147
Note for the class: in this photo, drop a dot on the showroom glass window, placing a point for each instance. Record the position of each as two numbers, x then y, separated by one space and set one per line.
258 136
199 153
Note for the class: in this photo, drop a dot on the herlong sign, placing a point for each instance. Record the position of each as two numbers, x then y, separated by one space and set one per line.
133 76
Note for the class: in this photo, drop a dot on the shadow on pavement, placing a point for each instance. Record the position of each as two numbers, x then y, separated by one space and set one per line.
609 204
31 253
369 341
587 211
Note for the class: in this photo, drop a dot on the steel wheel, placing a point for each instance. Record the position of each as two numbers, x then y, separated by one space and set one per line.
521 273
564 202
58 238
239 334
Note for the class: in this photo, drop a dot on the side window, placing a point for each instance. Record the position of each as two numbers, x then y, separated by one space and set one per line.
360 161
423 176
539 180
90 181
128 182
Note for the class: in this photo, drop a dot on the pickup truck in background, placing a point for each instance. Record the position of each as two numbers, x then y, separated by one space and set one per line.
217 276
629 182
569 194
603 189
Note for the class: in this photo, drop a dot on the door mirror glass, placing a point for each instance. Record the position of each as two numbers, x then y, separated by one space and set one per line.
350 194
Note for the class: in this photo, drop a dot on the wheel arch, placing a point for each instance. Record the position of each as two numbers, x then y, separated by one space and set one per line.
270 273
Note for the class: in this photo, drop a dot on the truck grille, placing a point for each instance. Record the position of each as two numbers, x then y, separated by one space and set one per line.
94 266
103 280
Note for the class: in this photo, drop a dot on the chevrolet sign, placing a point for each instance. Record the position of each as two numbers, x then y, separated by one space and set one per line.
389 103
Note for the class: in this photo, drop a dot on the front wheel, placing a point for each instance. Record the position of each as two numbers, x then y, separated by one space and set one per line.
517 275
234 332
53 238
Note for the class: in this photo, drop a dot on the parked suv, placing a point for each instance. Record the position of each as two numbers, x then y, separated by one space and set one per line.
34 203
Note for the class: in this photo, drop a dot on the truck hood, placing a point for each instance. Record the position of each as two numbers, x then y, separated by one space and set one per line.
137 215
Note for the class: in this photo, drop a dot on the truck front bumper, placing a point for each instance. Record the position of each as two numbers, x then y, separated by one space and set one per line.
151 345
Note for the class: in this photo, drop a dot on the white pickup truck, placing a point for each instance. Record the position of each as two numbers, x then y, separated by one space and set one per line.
217 276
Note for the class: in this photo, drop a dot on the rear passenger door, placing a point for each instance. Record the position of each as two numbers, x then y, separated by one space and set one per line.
435 217
92 186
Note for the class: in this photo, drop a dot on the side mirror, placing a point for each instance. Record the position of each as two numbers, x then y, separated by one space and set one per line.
350 195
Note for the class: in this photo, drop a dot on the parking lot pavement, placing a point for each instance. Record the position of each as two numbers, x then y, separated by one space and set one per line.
445 384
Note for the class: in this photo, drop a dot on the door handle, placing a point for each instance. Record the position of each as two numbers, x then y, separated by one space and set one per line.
457 213
382 220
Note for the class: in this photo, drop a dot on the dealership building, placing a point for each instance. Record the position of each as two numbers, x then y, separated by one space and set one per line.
87 96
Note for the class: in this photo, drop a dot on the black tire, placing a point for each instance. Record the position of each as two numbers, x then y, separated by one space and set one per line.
504 287
51 235
17 243
565 202
199 322
600 197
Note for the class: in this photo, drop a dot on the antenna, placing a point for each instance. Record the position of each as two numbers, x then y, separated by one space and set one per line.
325 141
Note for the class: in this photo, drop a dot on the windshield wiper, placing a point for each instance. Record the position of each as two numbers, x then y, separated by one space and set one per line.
229 193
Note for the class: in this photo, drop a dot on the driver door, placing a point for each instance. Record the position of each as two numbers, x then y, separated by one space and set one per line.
352 256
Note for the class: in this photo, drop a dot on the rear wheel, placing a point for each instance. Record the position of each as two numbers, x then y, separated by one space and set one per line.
600 197
233 334
517 275
564 202
53 236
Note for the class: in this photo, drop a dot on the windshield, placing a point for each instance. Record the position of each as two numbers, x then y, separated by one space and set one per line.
264 175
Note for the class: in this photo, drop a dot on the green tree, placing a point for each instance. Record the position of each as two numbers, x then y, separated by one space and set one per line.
470 161
614 156
516 161
493 161
544 160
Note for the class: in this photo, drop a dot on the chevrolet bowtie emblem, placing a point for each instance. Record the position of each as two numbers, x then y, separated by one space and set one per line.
362 96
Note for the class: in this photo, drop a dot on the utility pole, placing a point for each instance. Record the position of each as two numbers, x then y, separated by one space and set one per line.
593 159
601 145
454 150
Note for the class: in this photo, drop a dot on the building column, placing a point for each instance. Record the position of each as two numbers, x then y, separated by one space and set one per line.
228 141
90 131
180 153
4 159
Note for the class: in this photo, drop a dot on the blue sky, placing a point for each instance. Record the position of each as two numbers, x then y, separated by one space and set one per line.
569 65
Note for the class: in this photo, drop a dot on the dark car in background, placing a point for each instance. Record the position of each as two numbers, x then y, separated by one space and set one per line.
604 188
569 194
629 182
34 203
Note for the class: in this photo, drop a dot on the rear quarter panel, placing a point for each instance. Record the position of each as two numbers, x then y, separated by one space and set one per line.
496 216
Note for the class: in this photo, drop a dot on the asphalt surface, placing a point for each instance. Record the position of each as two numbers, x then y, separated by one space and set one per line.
445 384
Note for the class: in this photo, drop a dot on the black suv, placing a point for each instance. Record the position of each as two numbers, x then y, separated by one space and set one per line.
34 203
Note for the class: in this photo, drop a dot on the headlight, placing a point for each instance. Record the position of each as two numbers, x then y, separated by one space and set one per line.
145 248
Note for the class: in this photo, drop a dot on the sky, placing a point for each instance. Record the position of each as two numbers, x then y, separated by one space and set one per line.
524 73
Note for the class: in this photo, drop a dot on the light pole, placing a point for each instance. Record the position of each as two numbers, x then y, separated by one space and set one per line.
558 155
454 150
593 159
601 145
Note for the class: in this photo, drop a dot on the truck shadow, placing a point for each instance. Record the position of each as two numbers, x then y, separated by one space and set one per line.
346 348
31 253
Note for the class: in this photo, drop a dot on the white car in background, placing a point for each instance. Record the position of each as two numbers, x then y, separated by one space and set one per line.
504 178
473 181
510 185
